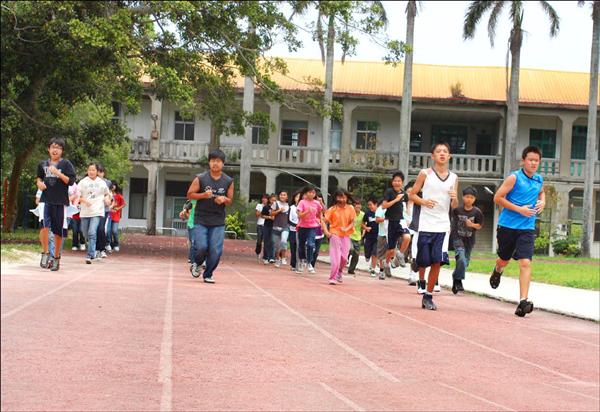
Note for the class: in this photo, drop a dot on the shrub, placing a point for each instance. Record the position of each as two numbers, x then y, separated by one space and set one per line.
235 222
567 246
541 243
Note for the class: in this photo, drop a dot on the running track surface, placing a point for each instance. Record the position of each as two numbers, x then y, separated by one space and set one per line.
137 332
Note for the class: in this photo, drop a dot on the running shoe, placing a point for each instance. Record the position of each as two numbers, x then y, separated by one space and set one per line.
74 248
427 302
381 275
351 272
54 265
400 260
284 261
108 248
388 271
332 282
437 288
195 270
421 286
311 269
116 248
495 278
373 273
209 280
88 260
339 277
265 262
457 286
44 260
278 263
103 254
271 261
524 308
81 247
412 278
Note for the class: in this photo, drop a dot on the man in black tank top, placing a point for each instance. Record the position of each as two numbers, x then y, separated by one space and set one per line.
213 190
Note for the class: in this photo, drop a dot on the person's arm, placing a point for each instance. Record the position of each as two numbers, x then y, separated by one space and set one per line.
541 203
417 187
324 226
453 195
39 181
226 200
501 200
389 203
194 189
478 224
258 213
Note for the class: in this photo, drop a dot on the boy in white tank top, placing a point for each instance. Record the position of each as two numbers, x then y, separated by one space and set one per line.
439 186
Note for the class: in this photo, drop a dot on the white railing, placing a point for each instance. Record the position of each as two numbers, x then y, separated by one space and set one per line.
374 160
294 155
140 149
460 163
549 167
182 150
260 152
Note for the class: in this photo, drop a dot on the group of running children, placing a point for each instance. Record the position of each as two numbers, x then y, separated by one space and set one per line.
421 212
415 223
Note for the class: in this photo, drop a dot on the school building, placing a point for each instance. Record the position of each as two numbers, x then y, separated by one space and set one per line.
465 106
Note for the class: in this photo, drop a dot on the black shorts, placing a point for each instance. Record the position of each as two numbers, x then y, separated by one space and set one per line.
370 247
515 243
55 218
395 230
432 247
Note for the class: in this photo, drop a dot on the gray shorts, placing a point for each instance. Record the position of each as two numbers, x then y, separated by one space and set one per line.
280 239
381 247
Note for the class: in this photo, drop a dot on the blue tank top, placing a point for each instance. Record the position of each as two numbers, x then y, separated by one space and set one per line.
525 192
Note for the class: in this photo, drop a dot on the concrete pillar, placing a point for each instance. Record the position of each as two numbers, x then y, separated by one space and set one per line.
346 145
501 133
155 119
152 168
271 180
274 116
565 144
246 158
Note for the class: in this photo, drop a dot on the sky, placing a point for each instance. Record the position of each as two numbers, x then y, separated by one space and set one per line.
438 37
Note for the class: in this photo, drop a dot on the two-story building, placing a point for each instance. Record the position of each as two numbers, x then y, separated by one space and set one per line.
465 106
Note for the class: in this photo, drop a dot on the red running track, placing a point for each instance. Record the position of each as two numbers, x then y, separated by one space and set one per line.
137 332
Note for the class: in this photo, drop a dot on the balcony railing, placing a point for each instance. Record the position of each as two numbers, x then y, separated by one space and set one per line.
461 163
549 167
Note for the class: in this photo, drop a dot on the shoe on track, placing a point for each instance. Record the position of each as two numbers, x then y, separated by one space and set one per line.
81 247
271 261
412 278
209 280
284 261
437 288
388 271
381 275
421 285
44 260
332 282
116 249
495 278
455 288
55 265
311 269
400 259
265 262
195 270
372 272
524 308
103 254
278 263
88 260
427 303
74 248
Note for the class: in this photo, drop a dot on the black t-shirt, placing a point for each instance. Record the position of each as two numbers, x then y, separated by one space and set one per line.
266 210
461 234
395 212
57 192
207 212
416 214
369 220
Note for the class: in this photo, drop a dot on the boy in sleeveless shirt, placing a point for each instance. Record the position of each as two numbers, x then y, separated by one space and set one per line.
213 190
438 185
522 197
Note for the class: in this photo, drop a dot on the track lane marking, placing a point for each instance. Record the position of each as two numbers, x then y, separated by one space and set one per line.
354 406
166 348
377 369
569 391
497 405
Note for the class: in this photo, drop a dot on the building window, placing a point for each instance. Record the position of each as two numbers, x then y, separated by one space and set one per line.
138 195
545 139
116 107
335 136
184 128
366 135
578 142
294 133
484 145
260 135
455 136
416 141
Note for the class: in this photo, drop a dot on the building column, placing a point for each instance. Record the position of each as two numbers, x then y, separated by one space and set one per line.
152 168
501 134
274 133
495 228
155 119
566 137
346 144
271 180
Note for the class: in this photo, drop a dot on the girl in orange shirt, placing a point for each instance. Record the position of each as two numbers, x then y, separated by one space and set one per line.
340 217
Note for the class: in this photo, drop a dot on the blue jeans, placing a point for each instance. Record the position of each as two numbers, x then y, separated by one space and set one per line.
78 238
293 249
463 257
101 237
268 247
89 228
208 241
306 243
109 231
113 235
192 251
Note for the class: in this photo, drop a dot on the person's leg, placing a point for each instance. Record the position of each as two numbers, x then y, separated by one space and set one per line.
276 244
354 255
524 277
114 229
405 243
268 243
283 246
51 245
215 236
90 227
101 234
108 230
467 257
461 263
75 232
293 249
192 249
345 245
259 240
302 236
317 252
310 244
200 233
434 272
335 257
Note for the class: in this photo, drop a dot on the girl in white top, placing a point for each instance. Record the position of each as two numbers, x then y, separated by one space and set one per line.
293 238
94 197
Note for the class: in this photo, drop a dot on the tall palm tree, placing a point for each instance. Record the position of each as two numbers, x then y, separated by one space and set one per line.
406 105
474 13
590 147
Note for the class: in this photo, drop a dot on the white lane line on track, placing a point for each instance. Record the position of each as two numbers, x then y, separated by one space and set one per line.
497 405
45 295
573 392
377 369
166 348
348 402
445 332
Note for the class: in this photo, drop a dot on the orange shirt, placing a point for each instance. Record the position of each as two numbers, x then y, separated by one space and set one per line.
341 220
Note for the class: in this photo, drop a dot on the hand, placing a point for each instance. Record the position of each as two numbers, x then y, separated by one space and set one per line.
328 235
429 203
208 193
182 215
220 200
452 194
368 229
539 206
468 223
526 211
53 170
399 197
41 185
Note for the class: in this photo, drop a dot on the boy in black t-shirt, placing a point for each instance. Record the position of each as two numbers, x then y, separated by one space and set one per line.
371 229
392 202
54 176
466 219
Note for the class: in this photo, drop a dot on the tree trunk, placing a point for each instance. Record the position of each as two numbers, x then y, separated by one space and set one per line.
406 107
215 137
13 190
512 118
328 104
590 154
246 155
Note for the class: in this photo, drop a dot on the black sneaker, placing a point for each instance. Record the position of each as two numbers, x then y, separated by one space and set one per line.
55 265
495 278
421 286
351 272
457 286
209 280
427 302
44 260
524 308
381 275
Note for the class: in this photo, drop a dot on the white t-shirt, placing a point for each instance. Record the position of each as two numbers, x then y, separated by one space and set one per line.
260 221
383 226
293 217
93 191
436 219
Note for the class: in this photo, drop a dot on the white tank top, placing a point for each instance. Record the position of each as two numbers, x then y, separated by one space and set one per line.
436 219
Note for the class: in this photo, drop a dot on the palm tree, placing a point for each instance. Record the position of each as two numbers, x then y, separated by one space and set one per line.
406 105
475 12
590 147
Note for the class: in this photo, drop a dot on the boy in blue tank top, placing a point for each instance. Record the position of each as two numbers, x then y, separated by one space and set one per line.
521 196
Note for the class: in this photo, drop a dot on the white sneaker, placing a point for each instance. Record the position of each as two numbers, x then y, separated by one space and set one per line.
437 288
311 269
284 261
103 254
117 248
81 247
421 287
412 278
265 261
372 272
108 248
74 248
278 263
